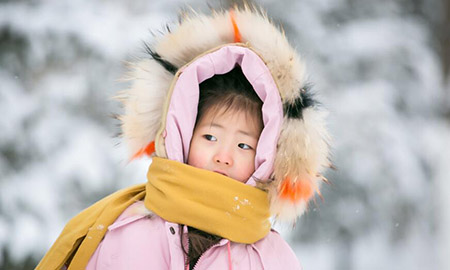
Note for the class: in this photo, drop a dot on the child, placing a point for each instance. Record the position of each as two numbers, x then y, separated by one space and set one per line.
238 139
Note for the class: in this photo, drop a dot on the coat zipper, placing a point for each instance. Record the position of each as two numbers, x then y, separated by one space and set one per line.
186 261
213 246
195 265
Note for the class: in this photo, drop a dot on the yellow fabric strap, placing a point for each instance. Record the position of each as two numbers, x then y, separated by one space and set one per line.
178 193
207 201
84 232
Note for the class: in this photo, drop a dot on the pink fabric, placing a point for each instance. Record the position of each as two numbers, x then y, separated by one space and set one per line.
182 110
136 241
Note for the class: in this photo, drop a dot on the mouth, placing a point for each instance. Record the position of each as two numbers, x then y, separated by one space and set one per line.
222 173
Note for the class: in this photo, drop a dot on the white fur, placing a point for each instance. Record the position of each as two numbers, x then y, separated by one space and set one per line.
143 103
287 211
199 33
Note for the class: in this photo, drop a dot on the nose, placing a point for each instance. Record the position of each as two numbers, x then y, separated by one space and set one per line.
223 158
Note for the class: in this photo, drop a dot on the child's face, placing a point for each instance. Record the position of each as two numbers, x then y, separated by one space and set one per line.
225 143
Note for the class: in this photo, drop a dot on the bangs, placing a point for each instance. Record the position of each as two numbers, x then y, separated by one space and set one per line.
234 104
230 92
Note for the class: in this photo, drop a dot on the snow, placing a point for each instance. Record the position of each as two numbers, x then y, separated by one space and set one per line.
372 64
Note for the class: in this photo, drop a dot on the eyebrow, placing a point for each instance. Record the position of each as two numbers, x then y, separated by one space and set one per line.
240 131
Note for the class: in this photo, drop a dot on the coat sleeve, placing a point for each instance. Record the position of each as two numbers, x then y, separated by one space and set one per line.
275 253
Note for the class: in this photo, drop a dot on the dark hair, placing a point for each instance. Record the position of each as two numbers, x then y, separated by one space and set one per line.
229 92
220 93
199 241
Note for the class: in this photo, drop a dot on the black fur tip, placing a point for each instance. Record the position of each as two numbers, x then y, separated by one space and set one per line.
305 100
166 64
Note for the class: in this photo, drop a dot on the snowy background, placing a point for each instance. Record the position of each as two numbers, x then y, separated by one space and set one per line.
378 66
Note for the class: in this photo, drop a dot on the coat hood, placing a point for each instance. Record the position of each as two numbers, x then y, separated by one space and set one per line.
161 104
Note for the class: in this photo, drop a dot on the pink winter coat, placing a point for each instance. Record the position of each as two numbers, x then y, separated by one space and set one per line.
137 240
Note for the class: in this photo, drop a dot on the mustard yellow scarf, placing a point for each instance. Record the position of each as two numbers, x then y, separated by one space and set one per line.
178 193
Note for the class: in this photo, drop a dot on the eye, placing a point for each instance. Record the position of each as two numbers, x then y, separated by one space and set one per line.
244 146
210 137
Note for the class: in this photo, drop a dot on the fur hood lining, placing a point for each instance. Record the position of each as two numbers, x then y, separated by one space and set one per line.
180 115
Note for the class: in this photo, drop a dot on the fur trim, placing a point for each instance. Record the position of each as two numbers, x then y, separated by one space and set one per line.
199 33
143 103
303 146
302 154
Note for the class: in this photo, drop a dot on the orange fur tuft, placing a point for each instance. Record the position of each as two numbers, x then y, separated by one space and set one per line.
147 150
237 34
296 190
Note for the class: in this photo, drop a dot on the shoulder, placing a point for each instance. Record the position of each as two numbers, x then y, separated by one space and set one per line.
276 253
136 210
137 219
134 240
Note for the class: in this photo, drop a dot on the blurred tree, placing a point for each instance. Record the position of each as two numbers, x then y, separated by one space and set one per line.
445 41
445 47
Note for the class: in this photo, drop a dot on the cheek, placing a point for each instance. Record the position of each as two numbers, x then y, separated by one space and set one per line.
196 156
246 168
195 160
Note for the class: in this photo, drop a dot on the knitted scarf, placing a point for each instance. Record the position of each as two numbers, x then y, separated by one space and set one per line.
178 193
